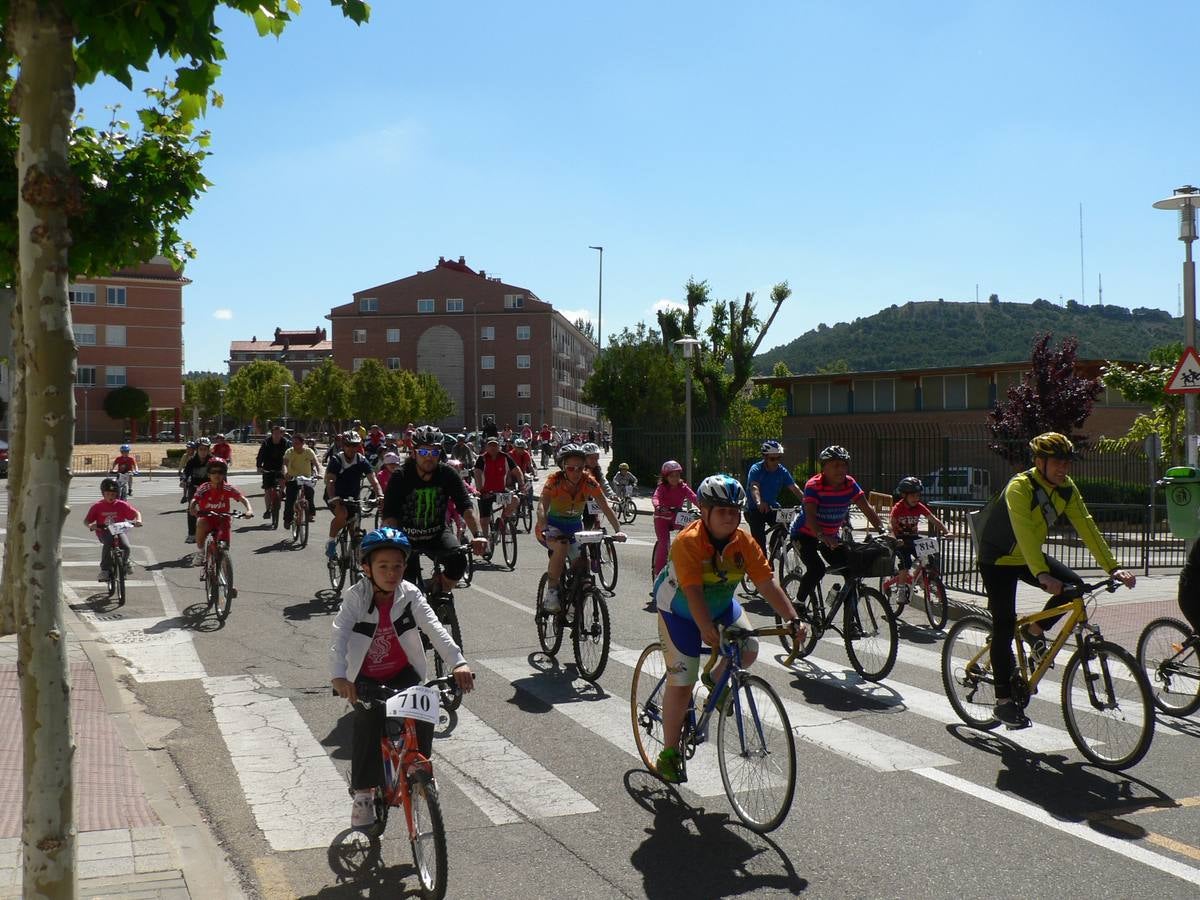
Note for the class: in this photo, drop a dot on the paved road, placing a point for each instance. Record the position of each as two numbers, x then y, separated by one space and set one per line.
542 792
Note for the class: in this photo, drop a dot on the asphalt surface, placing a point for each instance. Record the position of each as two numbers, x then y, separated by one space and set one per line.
894 799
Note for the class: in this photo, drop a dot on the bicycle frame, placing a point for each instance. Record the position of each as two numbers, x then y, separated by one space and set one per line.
1076 621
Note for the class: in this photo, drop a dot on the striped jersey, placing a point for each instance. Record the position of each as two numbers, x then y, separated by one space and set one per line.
832 503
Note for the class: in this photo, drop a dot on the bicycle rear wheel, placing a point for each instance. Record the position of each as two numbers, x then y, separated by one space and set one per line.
527 514
608 565
872 646
120 560
936 609
645 704
274 508
627 511
225 581
428 835
1107 705
969 686
1168 658
508 540
808 611
757 755
591 635
337 567
788 562
549 625
443 608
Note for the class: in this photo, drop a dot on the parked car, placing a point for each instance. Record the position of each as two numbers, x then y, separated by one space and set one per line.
167 434
3 459
958 483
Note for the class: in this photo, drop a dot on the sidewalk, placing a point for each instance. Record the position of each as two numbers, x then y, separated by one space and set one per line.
139 834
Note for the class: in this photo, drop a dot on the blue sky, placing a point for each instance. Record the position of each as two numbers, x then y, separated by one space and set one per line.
868 153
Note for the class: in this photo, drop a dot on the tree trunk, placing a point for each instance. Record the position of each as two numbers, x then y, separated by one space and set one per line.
42 430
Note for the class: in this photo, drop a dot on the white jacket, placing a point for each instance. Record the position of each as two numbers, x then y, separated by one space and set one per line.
355 623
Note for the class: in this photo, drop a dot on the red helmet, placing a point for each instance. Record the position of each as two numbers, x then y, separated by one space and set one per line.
670 466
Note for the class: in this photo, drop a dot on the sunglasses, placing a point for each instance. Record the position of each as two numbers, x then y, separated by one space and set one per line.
428 451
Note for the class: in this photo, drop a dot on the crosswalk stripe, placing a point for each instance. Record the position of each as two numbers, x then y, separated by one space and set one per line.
153 649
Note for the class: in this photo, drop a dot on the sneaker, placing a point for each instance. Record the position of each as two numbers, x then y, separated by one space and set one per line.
183 499
331 551
1038 647
550 601
287 523
103 575
670 766
362 813
190 539
198 558
1011 715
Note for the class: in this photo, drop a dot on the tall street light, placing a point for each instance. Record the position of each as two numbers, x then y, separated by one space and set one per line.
286 387
688 345
478 392
221 394
600 303
1186 199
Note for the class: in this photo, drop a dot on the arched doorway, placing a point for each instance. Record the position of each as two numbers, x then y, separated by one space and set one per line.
440 351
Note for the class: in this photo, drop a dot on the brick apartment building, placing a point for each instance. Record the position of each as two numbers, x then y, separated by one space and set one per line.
499 351
129 330
299 351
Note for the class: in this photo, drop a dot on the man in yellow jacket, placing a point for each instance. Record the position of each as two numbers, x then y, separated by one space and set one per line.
1010 550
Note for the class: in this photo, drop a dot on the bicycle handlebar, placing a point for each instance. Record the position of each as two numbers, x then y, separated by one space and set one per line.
375 695
731 633
1076 591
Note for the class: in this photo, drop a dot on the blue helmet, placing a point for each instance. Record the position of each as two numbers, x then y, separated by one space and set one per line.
384 538
721 490
125 448
771 448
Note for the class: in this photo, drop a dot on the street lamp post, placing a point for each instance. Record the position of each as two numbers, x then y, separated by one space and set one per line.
86 430
286 387
688 345
600 302
478 392
221 394
1186 199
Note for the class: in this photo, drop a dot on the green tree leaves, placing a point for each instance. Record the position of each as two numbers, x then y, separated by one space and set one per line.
127 402
324 393
256 391
1147 384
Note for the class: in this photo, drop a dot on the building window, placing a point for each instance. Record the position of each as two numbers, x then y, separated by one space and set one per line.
360 335
487 333
114 376
86 375
368 304
116 297
524 418
487 362
83 294
522 360
955 396
523 392
304 373
393 363
487 391
522 332
357 363
114 335
85 335
454 304
514 301
875 395
393 335
426 306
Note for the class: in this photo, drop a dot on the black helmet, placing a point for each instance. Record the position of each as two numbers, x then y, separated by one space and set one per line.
835 451
910 485
428 436
109 484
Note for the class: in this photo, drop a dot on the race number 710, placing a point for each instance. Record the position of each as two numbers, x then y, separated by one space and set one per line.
417 702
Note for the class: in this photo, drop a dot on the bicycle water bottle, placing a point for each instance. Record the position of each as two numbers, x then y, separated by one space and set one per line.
832 595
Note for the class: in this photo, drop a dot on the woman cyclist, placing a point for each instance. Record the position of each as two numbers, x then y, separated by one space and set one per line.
669 497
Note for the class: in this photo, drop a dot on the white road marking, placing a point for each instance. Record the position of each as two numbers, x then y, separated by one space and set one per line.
154 649
170 608
297 795
102 585
1081 830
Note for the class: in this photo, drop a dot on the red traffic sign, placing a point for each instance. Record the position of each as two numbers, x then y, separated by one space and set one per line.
1186 378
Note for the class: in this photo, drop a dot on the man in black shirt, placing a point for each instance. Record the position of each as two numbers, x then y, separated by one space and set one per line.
416 504
343 478
195 473
270 457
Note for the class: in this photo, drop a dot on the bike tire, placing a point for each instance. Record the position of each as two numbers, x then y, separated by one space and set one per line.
971 693
873 654
212 583
469 572
808 612
1112 738
788 562
120 578
591 635
428 836
1171 666
448 616
645 704
609 567
275 511
303 525
225 581
508 543
627 511
756 752
748 587
337 567
936 608
549 625
527 515
653 555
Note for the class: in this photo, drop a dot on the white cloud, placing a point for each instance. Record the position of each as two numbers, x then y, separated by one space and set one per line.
573 314
664 305
222 313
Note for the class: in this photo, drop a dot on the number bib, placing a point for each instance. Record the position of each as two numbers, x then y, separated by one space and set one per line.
683 517
925 548
417 702
593 508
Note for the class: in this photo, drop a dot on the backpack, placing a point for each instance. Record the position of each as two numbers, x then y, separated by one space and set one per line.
991 530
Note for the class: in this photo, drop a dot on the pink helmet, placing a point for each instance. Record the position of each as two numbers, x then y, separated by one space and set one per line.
670 466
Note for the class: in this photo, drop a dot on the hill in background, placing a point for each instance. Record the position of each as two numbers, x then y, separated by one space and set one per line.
940 333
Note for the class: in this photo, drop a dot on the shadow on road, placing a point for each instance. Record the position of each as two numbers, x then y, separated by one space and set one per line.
356 860
325 602
552 684
842 691
690 852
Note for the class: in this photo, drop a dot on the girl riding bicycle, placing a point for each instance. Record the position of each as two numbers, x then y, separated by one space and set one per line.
375 642
670 495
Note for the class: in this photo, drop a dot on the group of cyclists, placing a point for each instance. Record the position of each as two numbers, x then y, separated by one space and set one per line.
695 575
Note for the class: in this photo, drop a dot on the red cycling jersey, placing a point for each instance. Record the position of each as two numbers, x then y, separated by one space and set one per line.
124 463
522 458
495 472
209 500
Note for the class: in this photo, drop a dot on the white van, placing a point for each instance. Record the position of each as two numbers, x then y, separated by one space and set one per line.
958 483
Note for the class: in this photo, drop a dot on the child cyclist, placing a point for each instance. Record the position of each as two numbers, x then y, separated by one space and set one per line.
668 498
906 519
214 496
695 593
125 464
103 513
624 479
375 643
560 514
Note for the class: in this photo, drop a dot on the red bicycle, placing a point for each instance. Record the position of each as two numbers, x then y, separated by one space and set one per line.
926 578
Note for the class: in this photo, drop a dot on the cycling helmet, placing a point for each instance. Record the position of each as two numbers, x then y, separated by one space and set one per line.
721 490
125 448
568 450
835 451
220 437
910 485
383 538
204 442
461 437
670 466
216 464
771 448
191 445
109 484
428 436
1053 445
352 437
391 458
520 444
590 449
624 467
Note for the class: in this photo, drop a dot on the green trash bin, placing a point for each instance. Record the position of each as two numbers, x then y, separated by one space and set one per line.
1182 484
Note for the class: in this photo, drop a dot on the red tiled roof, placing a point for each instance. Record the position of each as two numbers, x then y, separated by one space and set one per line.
277 346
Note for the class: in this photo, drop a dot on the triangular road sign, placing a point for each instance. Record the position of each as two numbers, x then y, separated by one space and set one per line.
1186 379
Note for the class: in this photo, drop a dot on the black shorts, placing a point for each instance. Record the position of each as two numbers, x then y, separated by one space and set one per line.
270 479
444 548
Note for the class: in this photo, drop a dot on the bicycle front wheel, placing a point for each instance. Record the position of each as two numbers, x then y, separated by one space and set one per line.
1107 706
428 835
788 562
121 561
757 755
225 581
591 635
967 671
1168 658
869 634
608 565
646 702
508 538
808 611
935 601
748 587
549 625
527 515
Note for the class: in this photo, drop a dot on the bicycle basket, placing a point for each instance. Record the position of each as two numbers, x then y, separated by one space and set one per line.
869 560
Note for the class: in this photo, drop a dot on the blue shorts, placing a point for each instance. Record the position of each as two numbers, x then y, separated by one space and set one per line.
681 642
